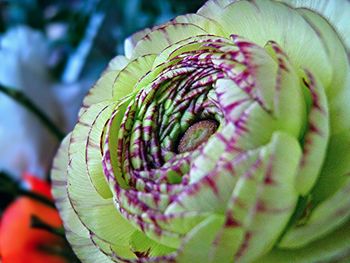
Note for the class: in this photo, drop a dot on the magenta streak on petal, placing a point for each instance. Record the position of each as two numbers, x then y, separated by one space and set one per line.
90 144
268 178
244 247
58 183
231 222
229 144
211 183
262 207
313 130
230 107
311 85
88 125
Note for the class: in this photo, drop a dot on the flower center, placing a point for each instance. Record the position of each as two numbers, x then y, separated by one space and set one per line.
196 134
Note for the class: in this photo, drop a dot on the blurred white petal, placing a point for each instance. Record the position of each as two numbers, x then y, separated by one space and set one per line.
26 145
70 97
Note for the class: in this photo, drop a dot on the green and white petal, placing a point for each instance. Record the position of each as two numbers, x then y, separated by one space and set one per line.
264 21
326 217
338 93
102 90
316 137
336 12
76 233
199 240
257 208
127 78
131 42
209 25
335 169
214 8
334 247
162 37
95 212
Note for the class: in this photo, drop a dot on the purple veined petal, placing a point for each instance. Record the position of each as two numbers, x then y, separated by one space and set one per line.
316 137
238 66
262 21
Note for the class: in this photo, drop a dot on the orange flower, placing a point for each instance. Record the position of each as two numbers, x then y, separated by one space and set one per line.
19 242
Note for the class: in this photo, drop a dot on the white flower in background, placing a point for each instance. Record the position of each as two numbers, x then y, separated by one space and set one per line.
26 145
70 97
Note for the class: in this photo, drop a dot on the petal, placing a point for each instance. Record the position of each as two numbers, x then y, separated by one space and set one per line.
335 168
338 93
162 37
332 248
316 137
199 240
142 244
131 42
93 151
337 13
103 89
103 220
76 232
127 78
327 216
263 21
207 24
214 7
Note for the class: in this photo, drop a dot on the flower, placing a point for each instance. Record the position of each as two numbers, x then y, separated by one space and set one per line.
220 136
20 242
35 146
23 53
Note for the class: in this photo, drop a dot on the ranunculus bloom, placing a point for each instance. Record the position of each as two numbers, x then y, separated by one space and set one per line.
19 242
221 136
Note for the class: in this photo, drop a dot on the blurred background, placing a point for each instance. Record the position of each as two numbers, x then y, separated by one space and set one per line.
51 52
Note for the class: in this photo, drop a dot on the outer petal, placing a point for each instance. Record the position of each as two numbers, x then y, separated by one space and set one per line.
334 247
324 218
77 234
338 93
131 42
162 37
337 12
95 212
214 7
127 78
263 21
209 25
102 90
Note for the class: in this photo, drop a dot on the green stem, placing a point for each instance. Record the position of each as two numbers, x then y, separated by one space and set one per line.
27 103
37 197
12 188
63 250
36 222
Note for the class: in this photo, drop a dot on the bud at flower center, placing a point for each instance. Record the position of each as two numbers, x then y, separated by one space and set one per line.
197 134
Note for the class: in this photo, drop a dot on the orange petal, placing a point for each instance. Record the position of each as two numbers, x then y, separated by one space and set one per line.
21 243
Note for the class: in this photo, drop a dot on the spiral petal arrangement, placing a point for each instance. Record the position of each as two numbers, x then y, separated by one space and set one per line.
221 136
